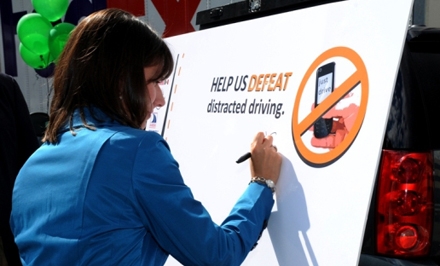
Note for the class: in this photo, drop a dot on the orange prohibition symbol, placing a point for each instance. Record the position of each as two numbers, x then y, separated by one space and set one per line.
359 77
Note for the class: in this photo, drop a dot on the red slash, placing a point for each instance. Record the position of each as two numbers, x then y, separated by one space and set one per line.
177 15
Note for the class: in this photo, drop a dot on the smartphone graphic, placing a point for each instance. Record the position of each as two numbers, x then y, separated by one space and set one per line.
325 83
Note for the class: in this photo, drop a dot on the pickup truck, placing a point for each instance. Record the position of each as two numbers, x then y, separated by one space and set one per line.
403 226
404 219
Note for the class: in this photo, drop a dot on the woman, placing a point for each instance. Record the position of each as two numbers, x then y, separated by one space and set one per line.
103 191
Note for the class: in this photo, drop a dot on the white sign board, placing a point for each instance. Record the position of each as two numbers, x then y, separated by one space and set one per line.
322 79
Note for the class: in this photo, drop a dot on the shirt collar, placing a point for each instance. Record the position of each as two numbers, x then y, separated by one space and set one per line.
94 117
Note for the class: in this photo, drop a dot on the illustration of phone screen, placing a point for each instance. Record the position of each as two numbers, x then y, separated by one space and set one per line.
325 80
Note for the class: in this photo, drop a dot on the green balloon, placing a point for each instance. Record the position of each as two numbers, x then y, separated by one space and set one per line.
33 32
37 61
53 10
58 37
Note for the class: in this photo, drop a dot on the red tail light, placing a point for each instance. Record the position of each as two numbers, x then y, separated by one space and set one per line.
405 204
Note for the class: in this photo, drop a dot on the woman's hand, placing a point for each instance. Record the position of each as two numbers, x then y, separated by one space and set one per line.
265 159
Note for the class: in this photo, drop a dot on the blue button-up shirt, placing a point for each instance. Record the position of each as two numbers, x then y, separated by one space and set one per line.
115 196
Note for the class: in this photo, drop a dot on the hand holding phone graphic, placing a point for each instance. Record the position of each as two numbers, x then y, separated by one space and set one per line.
325 80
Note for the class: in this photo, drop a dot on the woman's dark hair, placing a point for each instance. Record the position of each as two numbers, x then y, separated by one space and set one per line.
102 65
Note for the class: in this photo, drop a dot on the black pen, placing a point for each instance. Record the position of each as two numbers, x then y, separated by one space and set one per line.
244 158
248 154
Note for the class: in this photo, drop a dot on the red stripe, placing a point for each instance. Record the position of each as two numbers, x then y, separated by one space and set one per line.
136 7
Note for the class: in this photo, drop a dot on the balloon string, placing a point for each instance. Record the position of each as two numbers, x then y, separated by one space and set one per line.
48 95
49 90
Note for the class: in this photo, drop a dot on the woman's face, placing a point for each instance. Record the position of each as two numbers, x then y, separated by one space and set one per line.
155 94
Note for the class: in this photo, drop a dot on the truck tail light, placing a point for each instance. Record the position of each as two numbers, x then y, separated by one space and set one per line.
405 203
